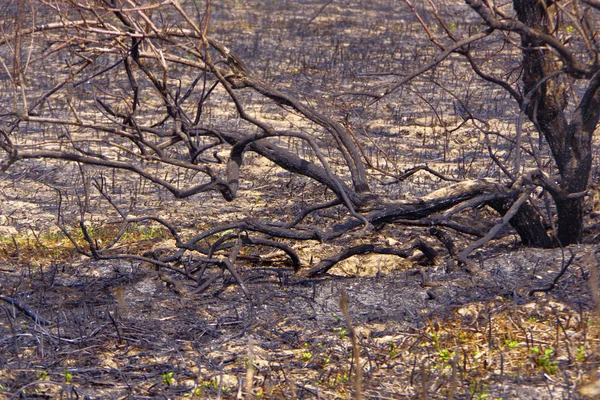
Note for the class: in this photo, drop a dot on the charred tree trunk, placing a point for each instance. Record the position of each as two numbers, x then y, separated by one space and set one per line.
526 222
575 163
545 102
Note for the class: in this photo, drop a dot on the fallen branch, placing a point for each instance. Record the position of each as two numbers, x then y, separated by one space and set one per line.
463 255
327 263
26 310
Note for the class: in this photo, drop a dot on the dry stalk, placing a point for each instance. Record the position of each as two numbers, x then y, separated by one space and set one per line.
424 382
593 389
289 379
355 349
249 369
454 377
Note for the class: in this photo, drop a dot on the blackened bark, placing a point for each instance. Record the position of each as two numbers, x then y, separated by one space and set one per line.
577 163
526 222
570 143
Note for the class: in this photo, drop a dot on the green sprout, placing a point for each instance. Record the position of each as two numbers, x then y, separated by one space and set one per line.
436 340
196 392
68 376
393 351
544 360
446 355
341 332
168 378
41 375
580 355
212 384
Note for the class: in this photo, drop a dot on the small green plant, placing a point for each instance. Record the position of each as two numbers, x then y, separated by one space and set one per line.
141 232
436 340
212 384
326 360
393 351
481 394
544 360
511 344
247 363
306 356
41 375
168 378
341 332
473 388
580 355
446 355
68 376
196 392
452 26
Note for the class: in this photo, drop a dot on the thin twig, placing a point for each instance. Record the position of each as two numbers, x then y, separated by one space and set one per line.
558 276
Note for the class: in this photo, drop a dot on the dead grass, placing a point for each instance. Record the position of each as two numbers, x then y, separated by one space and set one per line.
122 331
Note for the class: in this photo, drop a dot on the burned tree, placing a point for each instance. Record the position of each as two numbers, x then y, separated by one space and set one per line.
558 45
147 90
548 64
